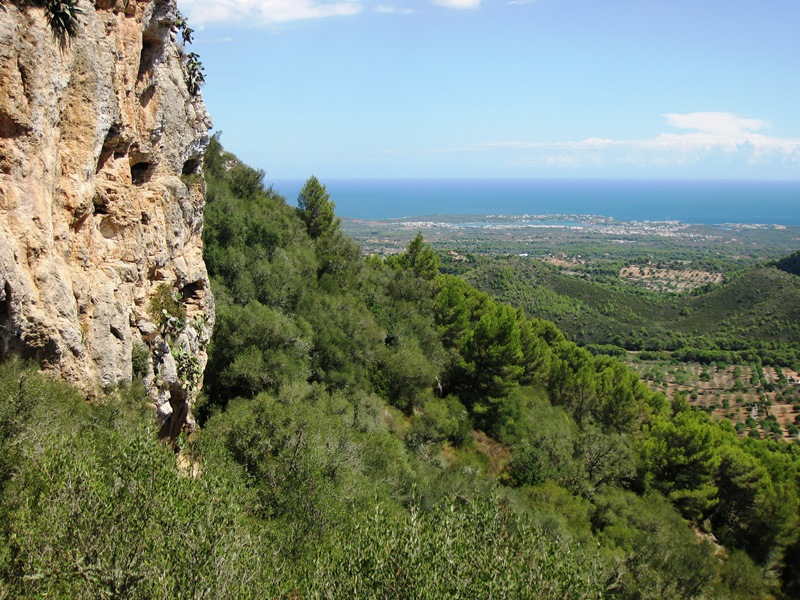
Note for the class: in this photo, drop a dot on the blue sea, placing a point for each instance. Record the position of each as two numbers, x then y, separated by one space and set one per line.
688 201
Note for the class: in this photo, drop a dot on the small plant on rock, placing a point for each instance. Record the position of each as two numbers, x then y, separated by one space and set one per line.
195 78
182 26
63 16
166 305
189 369
200 325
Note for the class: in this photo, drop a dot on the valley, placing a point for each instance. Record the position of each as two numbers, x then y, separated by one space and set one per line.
692 309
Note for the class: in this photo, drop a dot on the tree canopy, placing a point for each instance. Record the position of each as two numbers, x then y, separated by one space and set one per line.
316 209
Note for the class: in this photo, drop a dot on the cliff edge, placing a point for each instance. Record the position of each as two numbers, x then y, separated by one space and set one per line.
101 200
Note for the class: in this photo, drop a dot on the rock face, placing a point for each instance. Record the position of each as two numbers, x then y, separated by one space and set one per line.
101 201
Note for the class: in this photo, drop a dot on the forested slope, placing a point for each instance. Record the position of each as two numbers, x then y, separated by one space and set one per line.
371 428
755 313
790 264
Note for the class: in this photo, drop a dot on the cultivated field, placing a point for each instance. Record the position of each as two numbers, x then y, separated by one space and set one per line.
758 403
659 279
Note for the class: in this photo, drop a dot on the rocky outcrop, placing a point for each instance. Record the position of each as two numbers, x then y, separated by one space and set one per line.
101 200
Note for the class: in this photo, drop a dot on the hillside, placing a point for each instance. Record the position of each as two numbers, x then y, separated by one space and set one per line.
790 264
370 427
757 309
762 305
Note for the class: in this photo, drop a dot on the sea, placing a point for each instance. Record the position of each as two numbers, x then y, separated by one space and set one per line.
710 202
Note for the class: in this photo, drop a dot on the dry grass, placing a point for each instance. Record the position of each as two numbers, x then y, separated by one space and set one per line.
497 454
562 260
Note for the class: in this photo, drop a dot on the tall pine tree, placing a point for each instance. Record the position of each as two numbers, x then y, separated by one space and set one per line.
316 209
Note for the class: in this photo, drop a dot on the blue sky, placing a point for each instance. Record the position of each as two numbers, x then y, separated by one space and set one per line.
505 88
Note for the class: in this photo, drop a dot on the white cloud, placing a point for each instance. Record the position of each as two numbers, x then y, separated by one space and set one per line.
716 135
267 12
393 10
715 123
458 4
713 136
264 12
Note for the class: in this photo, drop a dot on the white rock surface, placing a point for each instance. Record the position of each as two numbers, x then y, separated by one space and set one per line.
101 199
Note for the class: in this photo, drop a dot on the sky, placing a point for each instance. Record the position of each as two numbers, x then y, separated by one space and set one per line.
681 89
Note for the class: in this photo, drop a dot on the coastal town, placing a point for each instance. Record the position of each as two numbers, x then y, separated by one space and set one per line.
542 235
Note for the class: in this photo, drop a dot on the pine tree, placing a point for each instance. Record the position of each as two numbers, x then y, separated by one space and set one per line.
316 209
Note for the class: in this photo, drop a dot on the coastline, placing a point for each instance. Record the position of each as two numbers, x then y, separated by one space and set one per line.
688 201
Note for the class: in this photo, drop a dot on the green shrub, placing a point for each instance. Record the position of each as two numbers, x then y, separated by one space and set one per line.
195 78
182 26
655 554
441 419
140 360
189 370
165 303
93 505
475 549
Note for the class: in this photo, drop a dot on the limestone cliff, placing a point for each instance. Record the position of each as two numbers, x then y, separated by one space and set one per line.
101 200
